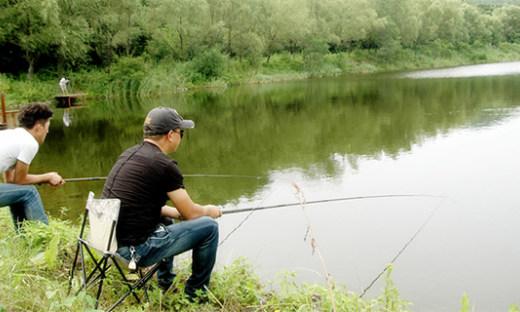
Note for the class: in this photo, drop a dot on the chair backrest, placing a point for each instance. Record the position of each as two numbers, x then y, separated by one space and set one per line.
102 216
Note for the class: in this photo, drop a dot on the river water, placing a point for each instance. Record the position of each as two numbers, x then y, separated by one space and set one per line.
454 136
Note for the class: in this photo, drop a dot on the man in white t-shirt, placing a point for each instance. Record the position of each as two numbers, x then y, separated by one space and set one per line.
64 82
18 147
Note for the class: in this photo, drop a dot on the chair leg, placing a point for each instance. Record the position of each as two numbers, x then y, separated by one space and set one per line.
73 268
118 302
102 275
89 280
83 267
137 285
127 282
98 274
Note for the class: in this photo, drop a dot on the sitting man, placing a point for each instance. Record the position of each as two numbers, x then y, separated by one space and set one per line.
144 178
18 148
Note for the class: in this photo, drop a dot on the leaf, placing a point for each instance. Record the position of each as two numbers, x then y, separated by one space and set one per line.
51 253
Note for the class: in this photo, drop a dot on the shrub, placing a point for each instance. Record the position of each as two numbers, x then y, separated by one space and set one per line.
208 65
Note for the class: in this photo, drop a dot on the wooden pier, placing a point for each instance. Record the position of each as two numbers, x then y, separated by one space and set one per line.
8 117
3 124
68 100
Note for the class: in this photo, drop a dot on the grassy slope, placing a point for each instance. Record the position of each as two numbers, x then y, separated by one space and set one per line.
137 76
34 267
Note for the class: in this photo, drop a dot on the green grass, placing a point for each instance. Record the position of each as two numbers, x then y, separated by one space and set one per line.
35 265
140 77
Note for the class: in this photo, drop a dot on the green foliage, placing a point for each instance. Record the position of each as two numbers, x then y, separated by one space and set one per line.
59 35
314 56
465 304
391 300
237 285
208 65
34 265
37 262
138 77
128 68
4 84
509 17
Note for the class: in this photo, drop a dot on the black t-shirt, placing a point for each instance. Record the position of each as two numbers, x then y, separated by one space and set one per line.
140 178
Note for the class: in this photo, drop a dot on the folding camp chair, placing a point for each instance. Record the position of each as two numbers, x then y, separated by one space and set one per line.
102 215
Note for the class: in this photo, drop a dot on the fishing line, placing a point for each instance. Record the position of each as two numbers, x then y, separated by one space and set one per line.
251 211
400 252
195 175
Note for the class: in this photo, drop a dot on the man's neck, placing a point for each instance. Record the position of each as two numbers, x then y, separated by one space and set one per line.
156 143
33 133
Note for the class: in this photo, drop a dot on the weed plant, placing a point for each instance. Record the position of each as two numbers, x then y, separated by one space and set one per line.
35 265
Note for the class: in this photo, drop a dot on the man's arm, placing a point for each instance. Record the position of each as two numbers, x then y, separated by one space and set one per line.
170 212
190 210
8 176
20 175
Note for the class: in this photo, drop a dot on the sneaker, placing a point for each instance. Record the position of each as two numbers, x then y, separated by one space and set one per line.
199 296
165 286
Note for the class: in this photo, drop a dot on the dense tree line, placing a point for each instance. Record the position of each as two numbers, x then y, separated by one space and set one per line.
56 35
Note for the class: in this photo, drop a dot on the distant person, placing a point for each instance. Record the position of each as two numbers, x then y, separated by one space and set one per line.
64 83
144 178
18 148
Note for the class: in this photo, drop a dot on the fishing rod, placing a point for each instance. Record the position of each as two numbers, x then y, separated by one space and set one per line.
195 175
312 202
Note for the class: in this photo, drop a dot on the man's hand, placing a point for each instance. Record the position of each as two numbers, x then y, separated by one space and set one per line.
55 179
213 211
190 210
20 175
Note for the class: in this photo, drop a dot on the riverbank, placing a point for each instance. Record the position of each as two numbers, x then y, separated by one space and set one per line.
140 77
35 265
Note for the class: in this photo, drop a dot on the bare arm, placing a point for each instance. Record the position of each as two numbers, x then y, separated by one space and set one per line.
170 212
190 210
20 175
9 176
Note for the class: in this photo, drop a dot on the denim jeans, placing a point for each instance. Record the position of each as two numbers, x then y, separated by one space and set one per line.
24 201
200 234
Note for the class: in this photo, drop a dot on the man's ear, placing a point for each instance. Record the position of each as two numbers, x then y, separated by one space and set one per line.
170 134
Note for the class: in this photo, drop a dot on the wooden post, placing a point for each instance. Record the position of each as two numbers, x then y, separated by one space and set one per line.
4 116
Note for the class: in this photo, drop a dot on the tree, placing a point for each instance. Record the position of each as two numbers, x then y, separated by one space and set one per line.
403 17
75 32
125 20
177 27
444 20
509 17
477 24
282 22
33 26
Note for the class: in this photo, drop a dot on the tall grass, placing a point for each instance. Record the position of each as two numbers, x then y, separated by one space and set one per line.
35 264
139 77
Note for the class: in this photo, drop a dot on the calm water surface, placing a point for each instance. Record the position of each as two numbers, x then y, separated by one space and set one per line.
369 135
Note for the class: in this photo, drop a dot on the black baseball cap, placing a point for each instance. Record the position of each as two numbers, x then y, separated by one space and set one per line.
161 120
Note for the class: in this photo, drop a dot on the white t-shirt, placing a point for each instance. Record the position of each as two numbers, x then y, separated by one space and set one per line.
16 144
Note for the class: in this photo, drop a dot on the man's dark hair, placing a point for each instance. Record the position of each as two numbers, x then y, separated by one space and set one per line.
33 113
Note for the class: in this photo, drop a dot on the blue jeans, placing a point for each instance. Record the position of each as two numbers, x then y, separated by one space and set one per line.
24 201
200 234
